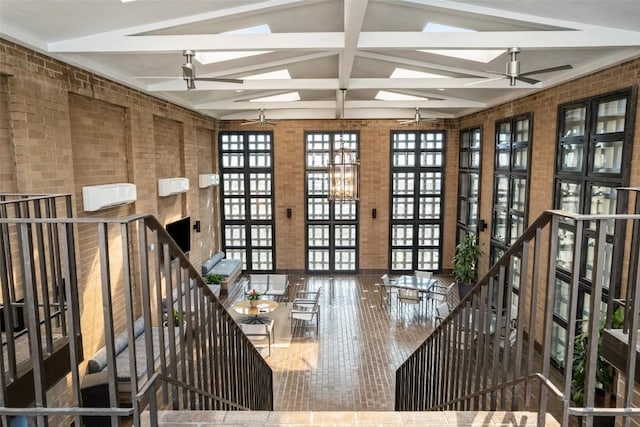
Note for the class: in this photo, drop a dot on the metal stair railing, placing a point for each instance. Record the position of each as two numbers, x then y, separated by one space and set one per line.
493 351
112 272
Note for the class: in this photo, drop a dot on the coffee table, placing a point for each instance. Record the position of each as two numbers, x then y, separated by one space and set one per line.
254 313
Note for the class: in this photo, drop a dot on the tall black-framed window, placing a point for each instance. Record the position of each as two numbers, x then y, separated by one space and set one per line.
469 169
510 182
331 226
593 157
246 198
416 200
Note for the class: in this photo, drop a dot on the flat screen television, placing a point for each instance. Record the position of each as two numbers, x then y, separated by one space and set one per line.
180 231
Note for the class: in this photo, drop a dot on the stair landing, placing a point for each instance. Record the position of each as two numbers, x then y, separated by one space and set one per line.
345 419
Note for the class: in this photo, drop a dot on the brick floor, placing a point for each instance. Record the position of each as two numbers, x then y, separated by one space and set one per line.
350 365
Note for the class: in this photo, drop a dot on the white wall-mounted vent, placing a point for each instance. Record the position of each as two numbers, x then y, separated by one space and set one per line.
171 186
208 179
95 197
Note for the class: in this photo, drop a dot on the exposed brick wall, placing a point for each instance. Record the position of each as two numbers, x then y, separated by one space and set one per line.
7 165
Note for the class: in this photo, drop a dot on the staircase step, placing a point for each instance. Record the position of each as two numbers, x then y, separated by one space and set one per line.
345 419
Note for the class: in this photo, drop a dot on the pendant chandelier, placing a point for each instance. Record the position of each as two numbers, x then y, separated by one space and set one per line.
344 169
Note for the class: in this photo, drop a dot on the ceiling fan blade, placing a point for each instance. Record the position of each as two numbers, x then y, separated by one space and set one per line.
216 79
157 77
486 80
527 80
250 122
547 70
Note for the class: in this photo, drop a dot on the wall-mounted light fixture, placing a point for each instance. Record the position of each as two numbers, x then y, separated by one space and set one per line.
289 213
374 213
482 225
196 226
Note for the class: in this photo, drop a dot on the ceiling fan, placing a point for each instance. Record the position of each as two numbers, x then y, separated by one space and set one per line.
189 72
262 120
513 70
417 118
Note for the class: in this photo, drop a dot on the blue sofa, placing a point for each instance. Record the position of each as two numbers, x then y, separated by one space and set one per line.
229 269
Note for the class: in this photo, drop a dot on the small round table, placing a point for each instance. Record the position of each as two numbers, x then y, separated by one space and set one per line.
264 306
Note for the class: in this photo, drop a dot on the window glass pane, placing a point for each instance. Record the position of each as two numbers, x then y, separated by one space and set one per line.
429 207
404 141
607 157
603 201
233 184
345 210
474 184
259 141
500 226
565 249
345 259
261 260
463 184
430 182
234 208
473 212
428 259
571 157
504 133
345 235
570 197
611 116
590 261
521 133
502 159
317 159
561 301
259 160
464 159
318 183
474 159
318 209
404 159
519 194
558 342
517 273
260 183
261 235
517 227
463 211
318 259
232 142
232 160
318 235
240 254
520 157
502 192
574 121
402 234
260 208
403 183
402 208
431 141
429 235
401 259
235 235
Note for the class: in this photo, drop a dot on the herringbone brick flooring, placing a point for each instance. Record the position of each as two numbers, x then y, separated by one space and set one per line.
350 364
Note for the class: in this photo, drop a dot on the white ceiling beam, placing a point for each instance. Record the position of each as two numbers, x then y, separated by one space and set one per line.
349 105
327 113
200 42
421 64
335 40
498 39
333 84
265 64
354 11
459 7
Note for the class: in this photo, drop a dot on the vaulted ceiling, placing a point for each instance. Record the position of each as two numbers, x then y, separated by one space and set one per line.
293 57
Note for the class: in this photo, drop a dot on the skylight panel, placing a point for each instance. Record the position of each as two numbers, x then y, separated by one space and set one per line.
384 95
403 73
280 74
290 96
213 57
477 55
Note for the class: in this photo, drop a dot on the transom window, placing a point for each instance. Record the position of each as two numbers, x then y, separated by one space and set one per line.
246 198
417 200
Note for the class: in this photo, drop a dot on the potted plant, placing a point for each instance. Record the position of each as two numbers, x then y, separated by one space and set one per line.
253 296
176 317
604 371
214 279
465 263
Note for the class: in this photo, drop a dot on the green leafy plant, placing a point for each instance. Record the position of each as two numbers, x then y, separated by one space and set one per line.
465 261
176 317
253 295
604 371
214 279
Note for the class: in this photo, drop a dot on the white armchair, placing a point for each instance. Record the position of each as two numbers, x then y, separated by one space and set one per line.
302 313
278 286
259 332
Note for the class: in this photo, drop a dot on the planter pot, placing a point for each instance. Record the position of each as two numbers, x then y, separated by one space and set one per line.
254 302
